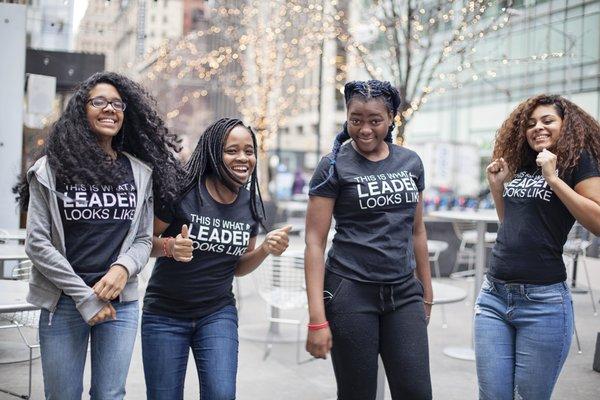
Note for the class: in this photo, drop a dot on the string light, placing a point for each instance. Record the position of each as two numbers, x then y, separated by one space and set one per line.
433 50
263 56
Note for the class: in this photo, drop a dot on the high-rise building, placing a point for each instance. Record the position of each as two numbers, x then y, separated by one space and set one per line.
97 32
49 24
126 30
549 46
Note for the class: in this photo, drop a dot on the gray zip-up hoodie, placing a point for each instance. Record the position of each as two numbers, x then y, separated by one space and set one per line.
52 274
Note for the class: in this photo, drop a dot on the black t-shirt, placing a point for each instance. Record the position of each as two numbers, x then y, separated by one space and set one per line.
96 219
535 227
221 233
374 210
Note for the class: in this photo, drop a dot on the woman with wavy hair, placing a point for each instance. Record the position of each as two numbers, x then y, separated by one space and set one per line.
89 203
544 175
365 299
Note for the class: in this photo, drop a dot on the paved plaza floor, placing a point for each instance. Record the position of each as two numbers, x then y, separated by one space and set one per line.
280 377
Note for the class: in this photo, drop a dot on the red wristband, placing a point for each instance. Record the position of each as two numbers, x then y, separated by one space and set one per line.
316 327
165 247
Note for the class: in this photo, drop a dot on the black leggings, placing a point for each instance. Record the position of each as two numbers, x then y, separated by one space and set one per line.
371 319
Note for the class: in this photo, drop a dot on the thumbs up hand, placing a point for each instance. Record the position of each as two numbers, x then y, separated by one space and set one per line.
181 246
277 241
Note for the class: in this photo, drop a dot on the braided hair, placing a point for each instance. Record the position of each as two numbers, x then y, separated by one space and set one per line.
74 155
364 91
207 159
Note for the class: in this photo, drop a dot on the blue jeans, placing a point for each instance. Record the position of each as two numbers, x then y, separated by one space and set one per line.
64 343
522 337
166 344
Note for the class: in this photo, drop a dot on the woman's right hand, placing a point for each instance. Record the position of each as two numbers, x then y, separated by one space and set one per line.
181 246
497 173
318 343
105 313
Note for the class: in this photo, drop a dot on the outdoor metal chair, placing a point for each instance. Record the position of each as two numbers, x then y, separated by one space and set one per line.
280 283
435 248
575 249
20 320
467 234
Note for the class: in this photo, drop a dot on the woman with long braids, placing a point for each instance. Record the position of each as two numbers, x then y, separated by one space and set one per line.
89 231
544 175
365 300
202 240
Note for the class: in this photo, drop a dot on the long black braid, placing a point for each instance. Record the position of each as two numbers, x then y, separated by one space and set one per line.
207 159
75 156
364 91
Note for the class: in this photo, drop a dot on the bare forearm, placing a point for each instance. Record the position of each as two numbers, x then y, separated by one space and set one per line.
315 275
498 200
157 246
250 261
585 210
423 270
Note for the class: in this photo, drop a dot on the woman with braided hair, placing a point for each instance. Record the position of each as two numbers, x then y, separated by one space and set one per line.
544 176
203 239
89 230
365 300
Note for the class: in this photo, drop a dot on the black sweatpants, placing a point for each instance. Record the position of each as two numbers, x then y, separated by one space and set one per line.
371 319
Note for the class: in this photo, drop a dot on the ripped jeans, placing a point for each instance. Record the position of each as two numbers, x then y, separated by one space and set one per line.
522 337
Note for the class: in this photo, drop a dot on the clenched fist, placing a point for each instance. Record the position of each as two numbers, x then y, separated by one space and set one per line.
111 284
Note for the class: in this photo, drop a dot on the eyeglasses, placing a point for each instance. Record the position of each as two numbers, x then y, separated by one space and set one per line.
101 103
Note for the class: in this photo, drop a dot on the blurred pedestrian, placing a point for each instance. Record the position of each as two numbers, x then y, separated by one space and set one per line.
544 175
365 300
203 239
89 231
299 182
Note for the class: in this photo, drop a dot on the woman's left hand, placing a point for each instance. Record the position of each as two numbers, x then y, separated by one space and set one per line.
427 312
547 161
111 284
277 241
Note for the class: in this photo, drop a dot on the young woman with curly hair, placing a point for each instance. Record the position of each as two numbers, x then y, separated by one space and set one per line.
89 203
544 175
365 299
203 239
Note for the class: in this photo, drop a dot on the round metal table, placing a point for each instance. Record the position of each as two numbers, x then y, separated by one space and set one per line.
481 218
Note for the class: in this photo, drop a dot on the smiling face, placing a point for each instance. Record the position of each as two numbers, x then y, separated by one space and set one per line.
104 122
239 156
543 127
368 125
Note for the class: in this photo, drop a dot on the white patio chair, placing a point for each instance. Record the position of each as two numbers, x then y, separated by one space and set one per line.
280 283
20 320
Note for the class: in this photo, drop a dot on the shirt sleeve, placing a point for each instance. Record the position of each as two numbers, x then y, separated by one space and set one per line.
324 181
586 168
420 181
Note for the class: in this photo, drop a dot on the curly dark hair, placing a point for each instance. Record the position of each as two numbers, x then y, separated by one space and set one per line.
580 131
207 159
75 156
